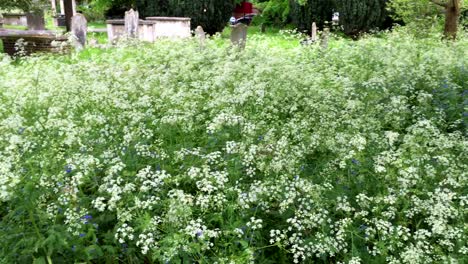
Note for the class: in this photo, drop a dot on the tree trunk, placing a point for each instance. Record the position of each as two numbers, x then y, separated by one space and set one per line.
68 6
452 13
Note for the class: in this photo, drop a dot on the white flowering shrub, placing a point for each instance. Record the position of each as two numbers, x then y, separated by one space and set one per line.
163 153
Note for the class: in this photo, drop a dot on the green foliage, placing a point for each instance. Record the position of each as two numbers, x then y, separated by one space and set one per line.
212 15
25 5
98 10
417 15
165 153
274 12
422 14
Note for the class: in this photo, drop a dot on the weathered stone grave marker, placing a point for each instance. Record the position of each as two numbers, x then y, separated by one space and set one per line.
325 36
314 32
131 23
35 20
201 36
79 28
239 35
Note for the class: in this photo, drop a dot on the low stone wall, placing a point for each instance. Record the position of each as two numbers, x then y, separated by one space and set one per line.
35 41
15 19
171 27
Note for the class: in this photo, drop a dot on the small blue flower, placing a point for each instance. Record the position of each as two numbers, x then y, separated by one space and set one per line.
68 169
82 235
355 161
73 248
87 217
199 233
363 227
260 138
445 84
296 177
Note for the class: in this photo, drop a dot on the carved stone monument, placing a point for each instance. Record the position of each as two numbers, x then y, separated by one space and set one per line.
239 35
35 21
131 23
79 28
201 36
314 32
325 36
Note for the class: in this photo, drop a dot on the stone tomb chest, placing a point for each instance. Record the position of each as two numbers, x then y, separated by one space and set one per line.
116 30
169 27
152 28
15 19
34 41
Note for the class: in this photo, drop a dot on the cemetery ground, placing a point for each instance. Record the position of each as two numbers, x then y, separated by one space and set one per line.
172 153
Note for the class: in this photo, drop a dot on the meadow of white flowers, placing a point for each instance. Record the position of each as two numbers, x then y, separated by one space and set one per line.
163 153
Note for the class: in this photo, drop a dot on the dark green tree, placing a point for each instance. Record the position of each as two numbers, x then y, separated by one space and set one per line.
358 16
318 11
212 15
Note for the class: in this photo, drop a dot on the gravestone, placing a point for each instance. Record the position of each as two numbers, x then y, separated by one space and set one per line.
35 21
314 32
239 35
79 28
131 23
325 36
201 36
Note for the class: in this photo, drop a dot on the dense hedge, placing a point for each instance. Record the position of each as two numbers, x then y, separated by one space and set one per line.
317 11
361 15
212 15
356 16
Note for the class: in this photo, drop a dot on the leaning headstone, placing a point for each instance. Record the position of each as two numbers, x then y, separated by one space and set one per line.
35 21
325 36
201 36
79 27
131 23
239 35
314 32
